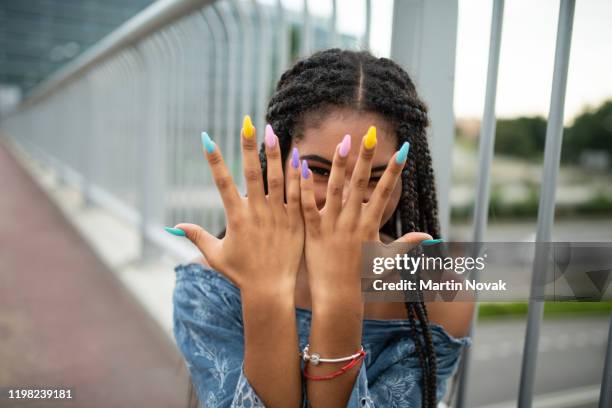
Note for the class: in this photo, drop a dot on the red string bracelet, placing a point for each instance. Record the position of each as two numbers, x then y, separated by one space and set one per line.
340 371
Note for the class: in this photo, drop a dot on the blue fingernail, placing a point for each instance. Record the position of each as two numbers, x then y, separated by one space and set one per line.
402 153
175 231
304 169
429 242
295 158
209 145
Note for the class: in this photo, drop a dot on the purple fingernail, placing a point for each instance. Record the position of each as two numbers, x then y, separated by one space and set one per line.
345 146
270 137
295 158
305 169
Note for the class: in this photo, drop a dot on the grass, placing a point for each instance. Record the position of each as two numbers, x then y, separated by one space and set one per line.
551 309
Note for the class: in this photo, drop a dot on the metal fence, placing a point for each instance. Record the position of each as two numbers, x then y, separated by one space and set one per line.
122 121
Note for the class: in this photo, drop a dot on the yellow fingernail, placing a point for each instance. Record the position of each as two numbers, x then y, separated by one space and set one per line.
247 127
370 140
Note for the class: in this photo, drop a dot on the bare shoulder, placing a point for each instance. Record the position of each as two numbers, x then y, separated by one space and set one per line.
454 317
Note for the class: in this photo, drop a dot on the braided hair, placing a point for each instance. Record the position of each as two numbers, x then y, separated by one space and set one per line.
336 78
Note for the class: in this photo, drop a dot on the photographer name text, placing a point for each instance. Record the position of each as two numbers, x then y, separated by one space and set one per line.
428 285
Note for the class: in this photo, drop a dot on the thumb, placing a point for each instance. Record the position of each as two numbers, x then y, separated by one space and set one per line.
413 238
205 241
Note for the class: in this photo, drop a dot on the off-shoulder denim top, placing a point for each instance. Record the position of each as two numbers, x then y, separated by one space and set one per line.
209 332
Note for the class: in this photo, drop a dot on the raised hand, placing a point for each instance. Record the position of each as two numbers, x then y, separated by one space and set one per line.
261 253
335 233
263 242
332 249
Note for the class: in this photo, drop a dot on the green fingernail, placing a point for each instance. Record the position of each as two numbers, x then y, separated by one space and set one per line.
175 231
429 242
209 145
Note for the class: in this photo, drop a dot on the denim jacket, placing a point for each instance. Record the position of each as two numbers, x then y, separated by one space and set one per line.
209 332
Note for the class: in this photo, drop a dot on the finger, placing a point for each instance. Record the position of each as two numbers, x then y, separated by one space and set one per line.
276 181
251 164
207 243
337 176
294 207
413 238
385 187
309 205
223 179
360 178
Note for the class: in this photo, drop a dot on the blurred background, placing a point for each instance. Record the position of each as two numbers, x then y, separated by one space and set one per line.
101 108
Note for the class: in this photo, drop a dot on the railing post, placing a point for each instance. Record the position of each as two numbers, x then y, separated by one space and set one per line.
487 142
423 41
86 142
605 396
305 44
333 23
153 172
546 209
365 40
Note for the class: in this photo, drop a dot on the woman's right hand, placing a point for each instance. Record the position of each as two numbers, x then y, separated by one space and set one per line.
261 253
263 243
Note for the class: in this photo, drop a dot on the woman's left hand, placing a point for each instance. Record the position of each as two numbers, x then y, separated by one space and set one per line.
332 249
335 234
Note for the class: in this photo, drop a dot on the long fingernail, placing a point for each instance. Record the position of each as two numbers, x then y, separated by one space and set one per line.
305 169
209 145
175 231
270 137
248 130
345 146
370 140
429 242
295 158
402 153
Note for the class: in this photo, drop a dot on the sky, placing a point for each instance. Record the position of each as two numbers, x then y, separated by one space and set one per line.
527 57
527 51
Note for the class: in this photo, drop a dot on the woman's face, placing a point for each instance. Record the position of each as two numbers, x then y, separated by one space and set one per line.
321 136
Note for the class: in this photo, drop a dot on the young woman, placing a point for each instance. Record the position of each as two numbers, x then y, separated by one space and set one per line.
332 173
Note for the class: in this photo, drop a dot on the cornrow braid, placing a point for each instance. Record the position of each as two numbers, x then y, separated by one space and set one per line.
336 78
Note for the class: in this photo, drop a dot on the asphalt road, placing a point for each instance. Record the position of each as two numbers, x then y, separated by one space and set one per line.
571 350
570 358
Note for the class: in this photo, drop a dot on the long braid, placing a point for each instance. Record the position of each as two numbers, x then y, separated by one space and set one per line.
341 78
412 315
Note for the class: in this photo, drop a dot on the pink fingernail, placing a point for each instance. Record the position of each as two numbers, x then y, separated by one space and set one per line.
270 137
345 146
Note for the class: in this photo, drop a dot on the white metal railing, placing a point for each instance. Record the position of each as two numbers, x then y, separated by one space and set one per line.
122 120
546 208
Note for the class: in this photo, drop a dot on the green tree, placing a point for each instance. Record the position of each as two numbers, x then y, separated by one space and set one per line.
521 137
591 130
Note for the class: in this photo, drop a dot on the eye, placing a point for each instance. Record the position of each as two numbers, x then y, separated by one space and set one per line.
320 171
374 180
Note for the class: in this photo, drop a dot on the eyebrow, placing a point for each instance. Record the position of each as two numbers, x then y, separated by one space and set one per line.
322 160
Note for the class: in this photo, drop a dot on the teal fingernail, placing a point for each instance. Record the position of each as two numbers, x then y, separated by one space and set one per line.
429 242
175 231
402 153
209 145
